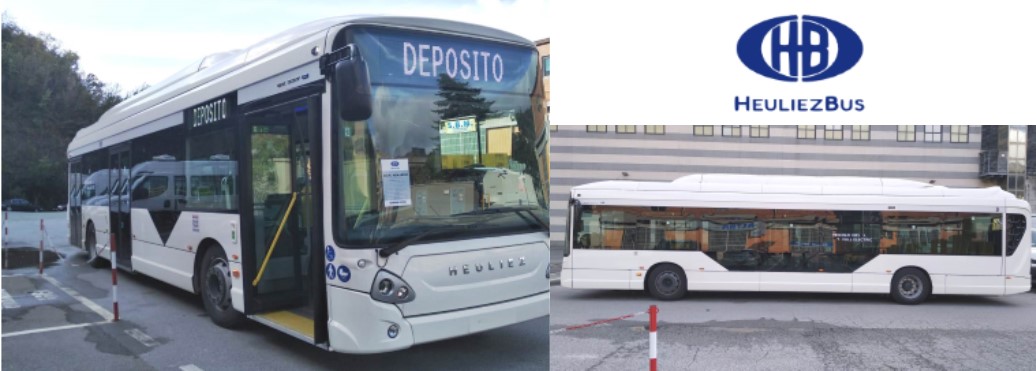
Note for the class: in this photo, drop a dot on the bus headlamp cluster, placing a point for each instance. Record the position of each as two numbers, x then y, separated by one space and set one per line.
389 288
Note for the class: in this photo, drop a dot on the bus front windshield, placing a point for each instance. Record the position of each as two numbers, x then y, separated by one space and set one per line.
455 147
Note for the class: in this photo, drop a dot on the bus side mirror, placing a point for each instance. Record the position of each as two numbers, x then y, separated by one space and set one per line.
353 87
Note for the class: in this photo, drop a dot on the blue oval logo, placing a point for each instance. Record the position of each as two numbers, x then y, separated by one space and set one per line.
395 163
792 49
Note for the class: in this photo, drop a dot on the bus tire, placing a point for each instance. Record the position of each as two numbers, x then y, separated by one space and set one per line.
667 282
92 257
911 286
215 289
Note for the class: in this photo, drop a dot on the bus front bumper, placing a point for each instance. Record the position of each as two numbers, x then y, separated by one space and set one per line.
359 324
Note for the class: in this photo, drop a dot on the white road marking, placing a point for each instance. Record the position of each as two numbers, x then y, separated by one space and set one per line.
190 367
8 301
141 337
43 295
48 329
86 302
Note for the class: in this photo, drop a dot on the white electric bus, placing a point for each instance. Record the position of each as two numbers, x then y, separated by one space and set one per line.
361 183
796 233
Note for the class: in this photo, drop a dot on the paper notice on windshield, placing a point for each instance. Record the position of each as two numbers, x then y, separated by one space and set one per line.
395 181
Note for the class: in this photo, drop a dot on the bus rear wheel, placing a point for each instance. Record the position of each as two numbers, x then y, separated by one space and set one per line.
667 282
215 289
911 286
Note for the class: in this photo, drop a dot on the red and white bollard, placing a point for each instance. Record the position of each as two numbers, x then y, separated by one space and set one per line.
653 340
115 281
41 246
6 259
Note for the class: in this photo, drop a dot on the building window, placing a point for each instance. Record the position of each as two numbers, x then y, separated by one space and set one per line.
626 129
861 132
905 133
553 128
958 133
596 128
732 130
654 129
933 133
807 132
703 130
759 131
833 132
546 66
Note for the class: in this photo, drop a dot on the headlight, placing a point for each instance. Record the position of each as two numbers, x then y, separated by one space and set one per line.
391 289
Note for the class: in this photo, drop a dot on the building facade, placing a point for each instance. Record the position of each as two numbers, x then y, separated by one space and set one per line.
955 156
544 48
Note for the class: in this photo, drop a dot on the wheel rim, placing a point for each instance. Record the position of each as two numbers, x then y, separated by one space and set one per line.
910 287
218 284
668 283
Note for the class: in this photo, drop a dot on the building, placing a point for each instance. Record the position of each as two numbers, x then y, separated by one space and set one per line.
956 156
544 48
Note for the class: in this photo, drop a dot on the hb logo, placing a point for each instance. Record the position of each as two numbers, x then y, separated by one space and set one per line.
789 49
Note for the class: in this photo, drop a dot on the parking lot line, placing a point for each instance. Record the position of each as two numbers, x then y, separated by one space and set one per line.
48 329
8 301
86 302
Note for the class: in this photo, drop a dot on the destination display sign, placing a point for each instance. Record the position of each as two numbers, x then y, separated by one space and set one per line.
213 112
411 58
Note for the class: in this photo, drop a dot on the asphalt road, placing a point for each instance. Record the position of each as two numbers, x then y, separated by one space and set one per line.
737 331
57 322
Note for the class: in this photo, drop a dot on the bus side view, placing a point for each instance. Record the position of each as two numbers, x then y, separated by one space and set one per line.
722 232
363 184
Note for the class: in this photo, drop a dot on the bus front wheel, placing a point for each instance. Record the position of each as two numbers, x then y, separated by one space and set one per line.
215 289
911 286
667 282
92 257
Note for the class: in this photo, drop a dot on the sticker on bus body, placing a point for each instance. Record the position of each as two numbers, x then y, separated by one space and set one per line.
344 274
330 269
330 251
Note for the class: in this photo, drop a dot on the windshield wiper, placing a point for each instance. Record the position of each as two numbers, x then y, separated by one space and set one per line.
520 211
388 251
534 220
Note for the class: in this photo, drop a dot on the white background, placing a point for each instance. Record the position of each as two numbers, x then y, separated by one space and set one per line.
675 62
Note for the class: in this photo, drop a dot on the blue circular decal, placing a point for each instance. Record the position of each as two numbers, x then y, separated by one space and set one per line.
395 163
330 269
343 274
330 251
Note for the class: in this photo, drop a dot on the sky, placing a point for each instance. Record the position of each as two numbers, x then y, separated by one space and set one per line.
132 42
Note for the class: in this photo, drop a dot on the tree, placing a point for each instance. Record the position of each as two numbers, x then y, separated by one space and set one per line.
459 100
46 100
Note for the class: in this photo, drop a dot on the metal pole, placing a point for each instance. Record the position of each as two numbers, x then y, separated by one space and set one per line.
7 258
653 340
41 246
115 281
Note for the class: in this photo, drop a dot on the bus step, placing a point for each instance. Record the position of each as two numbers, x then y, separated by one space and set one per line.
288 322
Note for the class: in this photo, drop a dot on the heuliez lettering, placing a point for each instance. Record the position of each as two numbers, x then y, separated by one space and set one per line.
826 104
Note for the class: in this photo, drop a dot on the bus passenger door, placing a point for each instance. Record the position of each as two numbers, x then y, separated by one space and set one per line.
118 205
278 260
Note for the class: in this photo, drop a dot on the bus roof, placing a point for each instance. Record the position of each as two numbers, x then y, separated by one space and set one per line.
799 185
225 72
